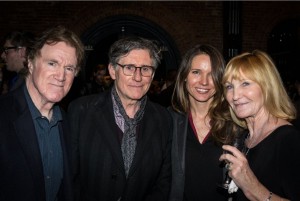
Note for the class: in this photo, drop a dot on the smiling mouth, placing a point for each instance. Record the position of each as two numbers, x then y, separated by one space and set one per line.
202 90
239 105
135 86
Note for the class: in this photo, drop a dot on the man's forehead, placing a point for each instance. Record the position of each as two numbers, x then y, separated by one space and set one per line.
7 43
60 51
59 46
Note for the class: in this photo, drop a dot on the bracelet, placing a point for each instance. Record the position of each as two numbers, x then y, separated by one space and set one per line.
270 196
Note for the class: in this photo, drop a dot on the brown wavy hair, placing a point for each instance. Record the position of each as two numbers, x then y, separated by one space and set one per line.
221 123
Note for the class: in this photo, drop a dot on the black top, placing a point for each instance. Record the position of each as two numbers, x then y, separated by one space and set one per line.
275 161
203 172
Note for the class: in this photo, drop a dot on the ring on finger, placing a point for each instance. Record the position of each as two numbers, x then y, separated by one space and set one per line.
228 166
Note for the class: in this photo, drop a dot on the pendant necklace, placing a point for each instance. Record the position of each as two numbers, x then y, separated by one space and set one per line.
247 148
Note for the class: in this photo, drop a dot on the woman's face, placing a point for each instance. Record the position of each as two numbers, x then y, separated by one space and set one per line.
199 82
244 96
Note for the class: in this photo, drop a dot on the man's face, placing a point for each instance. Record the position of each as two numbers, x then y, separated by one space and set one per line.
132 88
52 73
13 58
99 76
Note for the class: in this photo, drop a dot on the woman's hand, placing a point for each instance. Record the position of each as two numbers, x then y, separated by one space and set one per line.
242 175
239 170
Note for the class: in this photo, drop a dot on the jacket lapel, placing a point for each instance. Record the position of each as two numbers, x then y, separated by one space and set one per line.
63 130
110 129
25 132
181 130
144 136
180 126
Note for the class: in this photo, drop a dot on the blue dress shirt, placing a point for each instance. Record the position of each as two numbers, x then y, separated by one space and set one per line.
50 147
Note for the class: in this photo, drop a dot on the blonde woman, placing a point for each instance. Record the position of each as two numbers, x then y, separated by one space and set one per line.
269 168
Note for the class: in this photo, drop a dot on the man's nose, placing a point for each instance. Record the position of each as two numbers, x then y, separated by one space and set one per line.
3 55
137 75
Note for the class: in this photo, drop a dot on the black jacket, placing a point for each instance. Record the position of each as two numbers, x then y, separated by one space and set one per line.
100 173
21 169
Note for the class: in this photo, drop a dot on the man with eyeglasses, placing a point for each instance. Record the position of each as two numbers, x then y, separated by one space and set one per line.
14 53
121 139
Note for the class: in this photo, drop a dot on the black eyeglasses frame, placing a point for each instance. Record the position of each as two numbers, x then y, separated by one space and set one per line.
5 49
136 67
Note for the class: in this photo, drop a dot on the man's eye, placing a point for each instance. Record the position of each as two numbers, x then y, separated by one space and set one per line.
129 67
51 63
145 69
70 69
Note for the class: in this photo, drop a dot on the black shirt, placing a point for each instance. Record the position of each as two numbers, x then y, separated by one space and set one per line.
203 172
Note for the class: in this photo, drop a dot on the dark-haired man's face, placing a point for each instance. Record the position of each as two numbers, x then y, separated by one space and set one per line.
133 87
14 58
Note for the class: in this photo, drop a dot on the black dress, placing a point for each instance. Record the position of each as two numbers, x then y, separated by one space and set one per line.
275 162
203 171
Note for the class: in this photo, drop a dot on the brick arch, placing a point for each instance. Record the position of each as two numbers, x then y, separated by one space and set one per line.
173 23
102 34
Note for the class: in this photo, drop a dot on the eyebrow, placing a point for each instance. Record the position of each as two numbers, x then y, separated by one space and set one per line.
56 61
143 65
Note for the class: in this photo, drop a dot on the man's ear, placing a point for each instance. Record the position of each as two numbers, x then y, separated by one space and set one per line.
22 51
112 71
30 66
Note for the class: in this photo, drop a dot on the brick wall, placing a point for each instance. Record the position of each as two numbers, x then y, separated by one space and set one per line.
187 23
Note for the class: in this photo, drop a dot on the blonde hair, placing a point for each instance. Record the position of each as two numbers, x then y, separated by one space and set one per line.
260 68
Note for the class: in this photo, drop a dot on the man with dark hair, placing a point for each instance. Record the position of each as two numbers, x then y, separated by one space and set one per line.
121 139
34 142
14 53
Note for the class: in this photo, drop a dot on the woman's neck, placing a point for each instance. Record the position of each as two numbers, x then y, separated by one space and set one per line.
259 129
201 121
199 109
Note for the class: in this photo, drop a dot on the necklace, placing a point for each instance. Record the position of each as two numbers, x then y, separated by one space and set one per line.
247 149
257 139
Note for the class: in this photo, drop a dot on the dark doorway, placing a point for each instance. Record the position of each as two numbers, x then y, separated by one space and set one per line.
99 38
284 48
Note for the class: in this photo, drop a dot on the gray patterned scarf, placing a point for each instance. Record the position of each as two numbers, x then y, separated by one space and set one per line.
128 127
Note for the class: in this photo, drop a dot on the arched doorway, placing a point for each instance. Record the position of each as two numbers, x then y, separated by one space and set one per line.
99 37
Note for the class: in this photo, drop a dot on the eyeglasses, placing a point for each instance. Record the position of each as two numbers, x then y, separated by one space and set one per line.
130 69
5 49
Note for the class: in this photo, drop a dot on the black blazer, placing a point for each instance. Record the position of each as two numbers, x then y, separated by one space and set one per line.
100 173
178 158
180 126
21 170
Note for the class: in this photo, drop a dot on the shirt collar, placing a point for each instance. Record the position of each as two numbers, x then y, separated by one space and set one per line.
56 116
